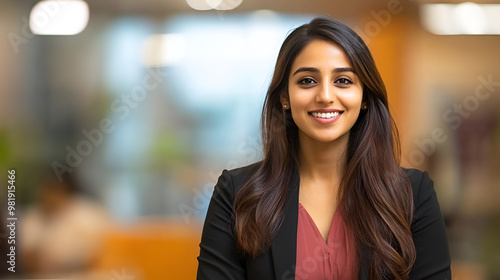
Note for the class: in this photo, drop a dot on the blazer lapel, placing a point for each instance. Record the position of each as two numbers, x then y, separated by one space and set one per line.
284 246
365 263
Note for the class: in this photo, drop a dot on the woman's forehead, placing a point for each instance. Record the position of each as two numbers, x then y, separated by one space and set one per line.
322 55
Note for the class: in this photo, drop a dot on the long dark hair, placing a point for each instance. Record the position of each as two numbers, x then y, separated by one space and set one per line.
375 195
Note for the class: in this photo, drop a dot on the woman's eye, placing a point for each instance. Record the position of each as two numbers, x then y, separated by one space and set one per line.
343 81
307 81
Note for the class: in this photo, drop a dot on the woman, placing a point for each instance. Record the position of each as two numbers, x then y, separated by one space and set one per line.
328 200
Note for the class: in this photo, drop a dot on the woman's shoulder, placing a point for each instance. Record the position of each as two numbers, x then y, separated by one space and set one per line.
424 195
239 176
419 179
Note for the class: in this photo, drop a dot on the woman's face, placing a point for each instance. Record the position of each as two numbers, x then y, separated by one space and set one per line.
324 94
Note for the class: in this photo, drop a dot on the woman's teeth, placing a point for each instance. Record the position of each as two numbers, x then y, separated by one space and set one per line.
324 115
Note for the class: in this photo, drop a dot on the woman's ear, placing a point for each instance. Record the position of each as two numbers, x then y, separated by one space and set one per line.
284 101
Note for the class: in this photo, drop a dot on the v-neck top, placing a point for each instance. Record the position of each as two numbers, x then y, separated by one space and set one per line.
319 260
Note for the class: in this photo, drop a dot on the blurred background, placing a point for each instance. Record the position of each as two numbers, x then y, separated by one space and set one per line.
118 116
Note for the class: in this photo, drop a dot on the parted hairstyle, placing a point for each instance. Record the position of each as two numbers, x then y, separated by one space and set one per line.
375 195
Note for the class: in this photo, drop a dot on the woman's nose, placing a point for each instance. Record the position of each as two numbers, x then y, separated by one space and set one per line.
326 94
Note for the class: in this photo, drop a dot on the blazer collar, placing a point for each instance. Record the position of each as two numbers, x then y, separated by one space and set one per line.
284 246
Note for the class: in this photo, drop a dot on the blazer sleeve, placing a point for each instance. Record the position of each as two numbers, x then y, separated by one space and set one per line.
429 232
218 257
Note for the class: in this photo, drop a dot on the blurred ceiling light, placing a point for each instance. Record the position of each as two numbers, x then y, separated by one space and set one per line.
59 17
465 18
203 5
470 18
226 5
163 49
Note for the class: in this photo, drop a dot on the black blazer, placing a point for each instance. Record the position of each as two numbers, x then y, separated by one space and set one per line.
220 260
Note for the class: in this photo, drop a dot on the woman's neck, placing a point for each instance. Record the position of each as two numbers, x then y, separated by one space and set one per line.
322 162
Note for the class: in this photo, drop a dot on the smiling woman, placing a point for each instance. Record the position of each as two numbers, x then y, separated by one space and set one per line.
329 199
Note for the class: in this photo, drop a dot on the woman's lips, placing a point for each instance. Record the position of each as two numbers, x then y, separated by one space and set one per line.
325 116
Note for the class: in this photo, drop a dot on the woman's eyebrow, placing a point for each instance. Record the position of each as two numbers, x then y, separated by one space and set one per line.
343 69
306 69
316 70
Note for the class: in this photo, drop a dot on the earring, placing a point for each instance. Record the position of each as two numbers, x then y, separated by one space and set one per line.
364 107
285 106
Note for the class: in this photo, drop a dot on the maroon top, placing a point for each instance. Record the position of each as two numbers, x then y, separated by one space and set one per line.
319 260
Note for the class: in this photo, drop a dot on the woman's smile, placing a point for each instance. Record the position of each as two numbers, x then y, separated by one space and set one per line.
326 116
